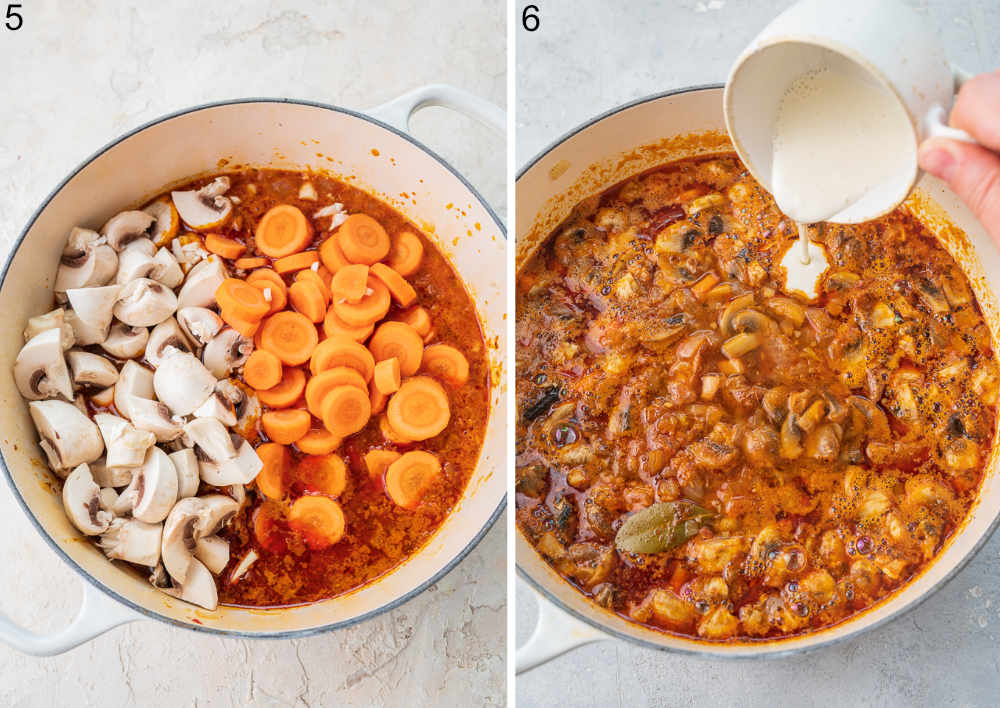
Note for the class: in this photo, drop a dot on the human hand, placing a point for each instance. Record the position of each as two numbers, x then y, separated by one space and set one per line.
972 171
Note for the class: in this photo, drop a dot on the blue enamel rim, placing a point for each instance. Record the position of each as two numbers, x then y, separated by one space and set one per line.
289 634
704 649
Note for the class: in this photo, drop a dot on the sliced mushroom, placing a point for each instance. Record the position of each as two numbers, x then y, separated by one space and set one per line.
81 499
124 228
155 417
68 437
135 261
158 488
133 541
93 309
108 496
204 208
188 477
218 510
188 250
201 283
91 369
166 269
40 368
210 437
144 303
125 342
246 407
51 320
199 589
241 469
126 446
134 382
105 476
166 334
86 262
182 382
104 398
244 565
179 529
217 406
166 221
226 351
213 552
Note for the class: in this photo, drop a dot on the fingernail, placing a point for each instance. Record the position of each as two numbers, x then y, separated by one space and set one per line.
938 161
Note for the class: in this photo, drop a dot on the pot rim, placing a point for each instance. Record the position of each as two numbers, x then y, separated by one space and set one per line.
702 648
286 634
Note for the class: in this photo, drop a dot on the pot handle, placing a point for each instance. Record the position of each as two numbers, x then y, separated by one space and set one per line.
398 111
98 613
556 633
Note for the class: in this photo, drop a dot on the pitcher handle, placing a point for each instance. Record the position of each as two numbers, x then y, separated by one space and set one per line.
556 632
398 111
936 120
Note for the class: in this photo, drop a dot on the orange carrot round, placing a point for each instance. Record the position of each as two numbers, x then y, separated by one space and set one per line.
387 377
346 410
307 299
400 341
271 478
282 231
401 290
419 409
318 441
406 253
262 369
410 477
250 263
319 520
271 284
296 261
350 283
325 474
242 299
226 247
445 363
372 307
248 328
287 425
342 351
313 276
332 255
266 274
333 326
362 239
288 390
325 381
378 460
417 318
290 336
388 432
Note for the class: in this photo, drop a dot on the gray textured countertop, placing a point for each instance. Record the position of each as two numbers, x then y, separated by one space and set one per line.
78 75
588 57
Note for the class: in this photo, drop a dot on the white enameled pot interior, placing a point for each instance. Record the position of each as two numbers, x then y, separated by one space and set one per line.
686 123
278 134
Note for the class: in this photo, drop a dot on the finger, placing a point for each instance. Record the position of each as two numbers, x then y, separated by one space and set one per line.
972 172
977 109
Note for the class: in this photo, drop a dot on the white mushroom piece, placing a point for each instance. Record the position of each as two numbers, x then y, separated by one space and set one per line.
56 319
226 351
166 269
182 382
166 334
104 398
125 445
189 521
201 283
188 477
219 407
125 342
91 369
40 368
153 489
133 541
221 463
246 407
166 221
213 551
134 382
108 496
134 399
87 261
82 502
93 310
68 437
204 208
200 324
124 228
135 261
110 476
144 303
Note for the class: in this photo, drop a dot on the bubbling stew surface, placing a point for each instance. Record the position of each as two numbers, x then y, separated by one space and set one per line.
705 454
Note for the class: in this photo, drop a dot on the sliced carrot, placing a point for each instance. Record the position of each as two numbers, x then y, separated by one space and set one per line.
318 441
411 476
445 363
417 318
307 298
332 255
262 369
389 433
267 527
378 400
313 276
290 336
333 326
288 390
319 520
282 231
401 290
342 351
346 410
287 425
325 381
378 460
266 274
226 247
419 409
250 263
242 299
372 307
362 239
350 283
271 478
272 285
387 377
325 275
406 253
326 474
248 328
296 261
400 341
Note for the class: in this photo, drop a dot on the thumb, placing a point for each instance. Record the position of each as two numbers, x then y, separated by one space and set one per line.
972 172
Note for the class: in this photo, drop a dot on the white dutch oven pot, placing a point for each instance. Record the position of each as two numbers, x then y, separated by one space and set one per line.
629 140
262 133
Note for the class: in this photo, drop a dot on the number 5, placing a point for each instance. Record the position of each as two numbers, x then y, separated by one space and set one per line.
529 18
11 15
